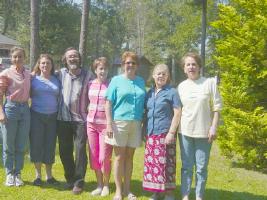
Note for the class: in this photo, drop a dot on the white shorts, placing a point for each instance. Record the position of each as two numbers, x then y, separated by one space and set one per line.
126 134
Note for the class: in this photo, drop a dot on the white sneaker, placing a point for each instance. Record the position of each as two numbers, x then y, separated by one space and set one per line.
18 181
105 191
10 180
97 191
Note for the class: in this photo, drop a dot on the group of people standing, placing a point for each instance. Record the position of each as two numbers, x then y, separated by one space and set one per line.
80 107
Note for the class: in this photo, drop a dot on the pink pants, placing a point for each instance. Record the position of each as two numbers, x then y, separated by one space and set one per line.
100 153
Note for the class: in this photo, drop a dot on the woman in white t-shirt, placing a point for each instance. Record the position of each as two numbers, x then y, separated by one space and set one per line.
201 103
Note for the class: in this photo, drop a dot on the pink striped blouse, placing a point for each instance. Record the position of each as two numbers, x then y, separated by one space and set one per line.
96 95
14 84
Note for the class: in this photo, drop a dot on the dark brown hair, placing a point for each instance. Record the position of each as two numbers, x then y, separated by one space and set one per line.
36 69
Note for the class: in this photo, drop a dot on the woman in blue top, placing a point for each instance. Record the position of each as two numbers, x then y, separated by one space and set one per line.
44 95
163 111
124 110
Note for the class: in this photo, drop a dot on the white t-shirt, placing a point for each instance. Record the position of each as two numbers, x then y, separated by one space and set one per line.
199 97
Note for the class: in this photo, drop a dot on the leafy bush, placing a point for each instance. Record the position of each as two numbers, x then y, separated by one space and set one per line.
241 53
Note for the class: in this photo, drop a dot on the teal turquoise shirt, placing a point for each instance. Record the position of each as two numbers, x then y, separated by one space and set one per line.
127 97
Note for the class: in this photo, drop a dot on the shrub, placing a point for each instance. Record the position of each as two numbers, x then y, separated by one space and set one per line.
241 53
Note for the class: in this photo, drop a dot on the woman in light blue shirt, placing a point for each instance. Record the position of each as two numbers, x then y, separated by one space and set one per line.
44 95
124 109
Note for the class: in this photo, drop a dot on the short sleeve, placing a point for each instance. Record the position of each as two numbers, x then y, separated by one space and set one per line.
215 95
175 98
112 90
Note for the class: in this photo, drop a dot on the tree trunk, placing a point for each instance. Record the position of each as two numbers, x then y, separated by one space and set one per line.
34 43
84 30
203 35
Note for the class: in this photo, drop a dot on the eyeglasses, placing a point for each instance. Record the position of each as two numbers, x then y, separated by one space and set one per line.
128 63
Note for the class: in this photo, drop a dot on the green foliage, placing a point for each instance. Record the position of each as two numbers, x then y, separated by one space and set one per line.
241 52
59 27
173 28
244 134
106 31
188 31
14 20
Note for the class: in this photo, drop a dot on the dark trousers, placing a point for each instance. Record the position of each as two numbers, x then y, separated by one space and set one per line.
72 135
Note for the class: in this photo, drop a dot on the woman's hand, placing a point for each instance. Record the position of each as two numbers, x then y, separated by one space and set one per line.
212 134
170 138
109 131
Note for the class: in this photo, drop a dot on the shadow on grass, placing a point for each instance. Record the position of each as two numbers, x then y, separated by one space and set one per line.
88 186
210 194
236 164
216 194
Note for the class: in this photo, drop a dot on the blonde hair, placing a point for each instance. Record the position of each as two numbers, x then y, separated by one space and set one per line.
162 67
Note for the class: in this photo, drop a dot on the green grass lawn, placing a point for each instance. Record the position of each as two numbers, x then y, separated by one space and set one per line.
224 182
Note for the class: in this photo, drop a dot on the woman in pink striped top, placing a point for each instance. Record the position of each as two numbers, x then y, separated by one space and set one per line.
15 115
99 152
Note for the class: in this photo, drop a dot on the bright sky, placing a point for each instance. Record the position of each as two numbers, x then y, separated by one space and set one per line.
77 1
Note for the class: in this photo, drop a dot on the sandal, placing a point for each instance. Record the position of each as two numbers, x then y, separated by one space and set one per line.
117 198
131 196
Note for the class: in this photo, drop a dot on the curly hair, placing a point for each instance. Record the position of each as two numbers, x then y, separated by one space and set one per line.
130 54
98 61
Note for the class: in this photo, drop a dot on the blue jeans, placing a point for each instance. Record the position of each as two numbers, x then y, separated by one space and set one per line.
194 152
15 135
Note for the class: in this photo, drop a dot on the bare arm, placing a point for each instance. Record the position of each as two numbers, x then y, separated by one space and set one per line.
144 126
212 132
3 88
170 137
2 114
108 109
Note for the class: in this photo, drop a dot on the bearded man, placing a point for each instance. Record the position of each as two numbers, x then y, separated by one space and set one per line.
72 114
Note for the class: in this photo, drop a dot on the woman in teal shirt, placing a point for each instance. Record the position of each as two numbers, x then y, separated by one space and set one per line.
124 109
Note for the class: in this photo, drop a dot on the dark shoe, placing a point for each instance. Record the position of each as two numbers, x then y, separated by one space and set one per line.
52 181
37 182
77 190
68 186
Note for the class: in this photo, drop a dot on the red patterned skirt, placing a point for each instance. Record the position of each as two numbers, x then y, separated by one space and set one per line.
159 164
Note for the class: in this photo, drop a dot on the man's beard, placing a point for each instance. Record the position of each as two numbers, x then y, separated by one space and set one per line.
73 66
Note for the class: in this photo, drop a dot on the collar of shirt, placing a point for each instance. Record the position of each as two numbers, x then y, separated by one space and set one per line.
15 69
95 81
165 87
74 76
